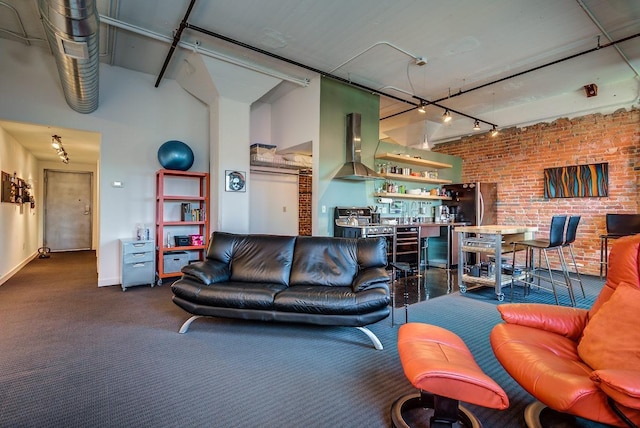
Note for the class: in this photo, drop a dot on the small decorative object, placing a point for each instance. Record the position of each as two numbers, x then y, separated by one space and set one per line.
43 252
235 181
175 155
196 240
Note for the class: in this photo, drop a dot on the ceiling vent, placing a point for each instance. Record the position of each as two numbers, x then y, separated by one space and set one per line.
71 27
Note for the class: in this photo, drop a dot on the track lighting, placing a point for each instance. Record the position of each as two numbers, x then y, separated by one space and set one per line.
56 143
422 108
476 125
446 116
494 131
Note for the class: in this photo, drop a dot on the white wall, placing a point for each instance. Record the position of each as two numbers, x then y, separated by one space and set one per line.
18 222
295 119
134 119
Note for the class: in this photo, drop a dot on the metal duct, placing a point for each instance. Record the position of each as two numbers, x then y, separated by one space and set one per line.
72 31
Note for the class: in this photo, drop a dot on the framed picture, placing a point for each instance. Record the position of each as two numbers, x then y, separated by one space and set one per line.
235 181
577 181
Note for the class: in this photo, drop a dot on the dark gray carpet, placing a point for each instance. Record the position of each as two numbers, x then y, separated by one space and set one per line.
76 355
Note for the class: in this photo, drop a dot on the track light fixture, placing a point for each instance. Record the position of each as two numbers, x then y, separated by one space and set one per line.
494 131
56 143
446 116
476 125
422 107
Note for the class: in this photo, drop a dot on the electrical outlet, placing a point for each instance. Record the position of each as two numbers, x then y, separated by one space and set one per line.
323 209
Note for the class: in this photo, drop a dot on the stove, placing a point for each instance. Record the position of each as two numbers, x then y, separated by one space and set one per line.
364 229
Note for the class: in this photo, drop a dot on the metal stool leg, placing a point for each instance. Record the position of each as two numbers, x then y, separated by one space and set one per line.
575 266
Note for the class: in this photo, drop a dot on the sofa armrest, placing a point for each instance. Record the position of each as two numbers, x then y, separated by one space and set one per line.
623 386
208 271
370 278
568 322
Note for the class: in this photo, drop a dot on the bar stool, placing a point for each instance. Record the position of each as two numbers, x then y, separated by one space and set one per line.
531 271
618 225
405 268
569 239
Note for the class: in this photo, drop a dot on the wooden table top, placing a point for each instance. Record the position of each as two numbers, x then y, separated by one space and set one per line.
496 229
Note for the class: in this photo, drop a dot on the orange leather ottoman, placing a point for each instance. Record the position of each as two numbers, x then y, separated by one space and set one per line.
439 364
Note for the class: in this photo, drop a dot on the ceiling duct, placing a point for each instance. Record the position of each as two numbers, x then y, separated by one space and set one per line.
72 31
354 169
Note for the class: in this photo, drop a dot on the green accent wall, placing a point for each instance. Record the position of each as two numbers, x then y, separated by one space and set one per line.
337 100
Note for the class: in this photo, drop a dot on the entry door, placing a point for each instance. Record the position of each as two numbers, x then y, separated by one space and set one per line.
67 210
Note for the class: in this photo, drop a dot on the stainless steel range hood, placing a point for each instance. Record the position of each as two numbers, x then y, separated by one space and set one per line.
354 169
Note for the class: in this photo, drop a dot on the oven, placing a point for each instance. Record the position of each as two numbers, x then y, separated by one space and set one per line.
364 229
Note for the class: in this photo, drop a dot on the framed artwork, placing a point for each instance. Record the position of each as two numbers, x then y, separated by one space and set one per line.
577 181
235 181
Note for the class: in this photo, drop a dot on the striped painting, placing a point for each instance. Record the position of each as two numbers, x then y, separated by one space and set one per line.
577 181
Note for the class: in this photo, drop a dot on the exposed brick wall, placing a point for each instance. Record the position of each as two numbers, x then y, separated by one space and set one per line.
304 203
516 158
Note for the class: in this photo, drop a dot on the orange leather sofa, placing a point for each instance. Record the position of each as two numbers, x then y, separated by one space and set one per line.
580 362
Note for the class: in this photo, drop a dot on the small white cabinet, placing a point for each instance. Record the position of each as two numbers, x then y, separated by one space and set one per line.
138 263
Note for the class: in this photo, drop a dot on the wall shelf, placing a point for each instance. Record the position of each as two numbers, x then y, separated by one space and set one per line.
413 161
416 179
410 196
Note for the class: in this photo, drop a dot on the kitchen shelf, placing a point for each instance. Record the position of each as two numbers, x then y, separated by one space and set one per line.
416 179
413 161
410 196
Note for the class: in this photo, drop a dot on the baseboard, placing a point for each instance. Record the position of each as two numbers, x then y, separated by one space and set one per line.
106 282
4 278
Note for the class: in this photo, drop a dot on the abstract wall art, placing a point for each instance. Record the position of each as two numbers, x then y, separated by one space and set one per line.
577 181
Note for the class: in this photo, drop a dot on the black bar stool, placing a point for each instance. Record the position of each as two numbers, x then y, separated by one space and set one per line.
569 239
531 271
405 268
618 225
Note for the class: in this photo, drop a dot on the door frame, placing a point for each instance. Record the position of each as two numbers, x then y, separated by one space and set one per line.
92 192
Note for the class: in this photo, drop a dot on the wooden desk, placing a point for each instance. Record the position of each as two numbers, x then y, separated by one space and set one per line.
490 240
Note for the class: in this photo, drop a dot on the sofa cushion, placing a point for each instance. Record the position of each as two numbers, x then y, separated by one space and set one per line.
239 295
312 299
370 278
208 272
327 261
611 339
262 258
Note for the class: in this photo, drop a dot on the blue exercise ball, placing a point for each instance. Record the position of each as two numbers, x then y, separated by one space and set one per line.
175 154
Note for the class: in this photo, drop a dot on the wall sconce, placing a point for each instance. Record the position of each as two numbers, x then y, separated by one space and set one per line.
56 143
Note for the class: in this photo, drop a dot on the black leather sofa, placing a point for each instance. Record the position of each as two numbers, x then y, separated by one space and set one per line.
305 279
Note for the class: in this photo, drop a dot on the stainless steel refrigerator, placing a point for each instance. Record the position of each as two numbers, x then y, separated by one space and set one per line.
471 203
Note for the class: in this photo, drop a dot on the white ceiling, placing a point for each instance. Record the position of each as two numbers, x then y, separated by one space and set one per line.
492 45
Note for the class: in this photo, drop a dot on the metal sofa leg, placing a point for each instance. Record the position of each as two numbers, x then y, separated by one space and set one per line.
376 342
187 323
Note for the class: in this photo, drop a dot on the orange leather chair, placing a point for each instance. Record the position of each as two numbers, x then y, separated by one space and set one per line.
580 362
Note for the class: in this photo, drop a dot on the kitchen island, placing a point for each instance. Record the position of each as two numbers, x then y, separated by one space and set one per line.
489 240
